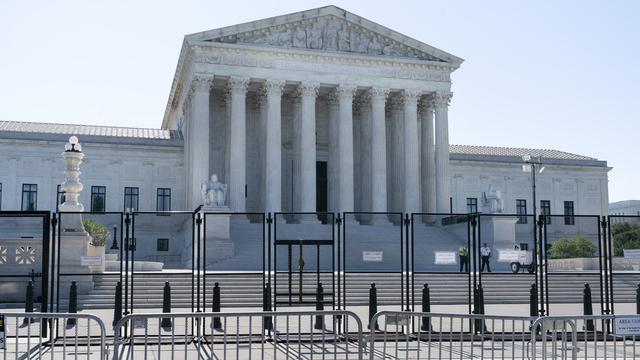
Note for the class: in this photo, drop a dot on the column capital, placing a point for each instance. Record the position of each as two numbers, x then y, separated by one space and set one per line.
346 90
396 102
426 104
442 98
238 84
273 87
201 82
411 95
309 88
377 92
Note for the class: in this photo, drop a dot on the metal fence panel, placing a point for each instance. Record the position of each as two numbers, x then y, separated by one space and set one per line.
623 259
276 335
70 336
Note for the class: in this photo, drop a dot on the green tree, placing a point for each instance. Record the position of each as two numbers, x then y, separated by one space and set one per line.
573 247
625 236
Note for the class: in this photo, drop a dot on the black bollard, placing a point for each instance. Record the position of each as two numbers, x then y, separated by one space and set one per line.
587 305
28 304
479 302
533 300
426 307
215 307
267 322
117 309
638 299
373 305
319 324
73 303
166 307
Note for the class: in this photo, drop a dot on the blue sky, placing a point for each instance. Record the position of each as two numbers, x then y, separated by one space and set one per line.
543 74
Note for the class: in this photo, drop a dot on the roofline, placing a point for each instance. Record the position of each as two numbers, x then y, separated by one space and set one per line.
518 160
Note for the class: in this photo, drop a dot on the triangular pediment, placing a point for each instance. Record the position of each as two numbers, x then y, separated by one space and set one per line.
328 29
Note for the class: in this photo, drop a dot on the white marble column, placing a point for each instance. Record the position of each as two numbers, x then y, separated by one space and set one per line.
332 163
199 131
442 100
273 146
411 154
396 186
378 150
307 146
345 146
363 162
427 156
237 143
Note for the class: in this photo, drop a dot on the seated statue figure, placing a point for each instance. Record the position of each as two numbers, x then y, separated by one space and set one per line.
493 200
214 192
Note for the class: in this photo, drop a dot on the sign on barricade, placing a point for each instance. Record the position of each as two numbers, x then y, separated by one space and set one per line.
626 325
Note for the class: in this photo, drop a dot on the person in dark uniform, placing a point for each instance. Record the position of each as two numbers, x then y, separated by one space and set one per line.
485 253
464 257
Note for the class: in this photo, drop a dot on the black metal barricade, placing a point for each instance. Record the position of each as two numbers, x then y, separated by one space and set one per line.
440 248
304 255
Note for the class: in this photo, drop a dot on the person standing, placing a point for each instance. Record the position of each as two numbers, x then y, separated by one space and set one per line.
464 257
485 253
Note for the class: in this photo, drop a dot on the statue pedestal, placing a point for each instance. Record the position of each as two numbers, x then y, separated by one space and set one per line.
499 232
217 234
74 245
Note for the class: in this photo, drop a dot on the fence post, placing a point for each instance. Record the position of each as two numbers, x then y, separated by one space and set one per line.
533 300
117 309
479 302
373 305
319 324
266 306
215 307
638 299
426 307
166 306
587 305
73 303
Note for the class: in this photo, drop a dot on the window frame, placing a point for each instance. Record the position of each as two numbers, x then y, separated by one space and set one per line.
161 196
95 194
30 192
545 209
569 213
521 211
132 195
162 241
472 203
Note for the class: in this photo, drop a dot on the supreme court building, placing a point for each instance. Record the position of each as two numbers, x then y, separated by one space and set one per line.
320 110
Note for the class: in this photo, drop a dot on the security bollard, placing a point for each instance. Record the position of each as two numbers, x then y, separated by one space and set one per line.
373 306
73 303
479 310
166 307
587 305
28 304
215 307
533 300
319 324
267 322
117 309
426 307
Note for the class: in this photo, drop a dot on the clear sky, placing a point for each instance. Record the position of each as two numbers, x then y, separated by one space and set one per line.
542 74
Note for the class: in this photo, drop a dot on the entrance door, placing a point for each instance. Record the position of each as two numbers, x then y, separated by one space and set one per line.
321 188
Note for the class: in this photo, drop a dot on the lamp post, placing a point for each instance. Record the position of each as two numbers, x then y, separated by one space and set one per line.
531 164
72 186
114 246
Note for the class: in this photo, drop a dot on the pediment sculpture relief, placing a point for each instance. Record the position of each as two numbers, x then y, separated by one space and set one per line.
327 33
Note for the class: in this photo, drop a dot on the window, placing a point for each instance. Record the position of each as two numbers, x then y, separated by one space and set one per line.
569 219
521 210
545 209
472 205
60 196
524 246
163 199
163 245
98 198
29 197
131 198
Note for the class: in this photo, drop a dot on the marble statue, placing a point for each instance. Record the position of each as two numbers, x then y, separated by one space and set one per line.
493 200
214 192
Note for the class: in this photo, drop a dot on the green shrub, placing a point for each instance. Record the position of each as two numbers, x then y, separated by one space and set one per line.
574 247
99 233
625 236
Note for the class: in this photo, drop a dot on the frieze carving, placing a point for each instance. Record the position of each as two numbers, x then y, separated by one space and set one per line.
264 58
327 33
